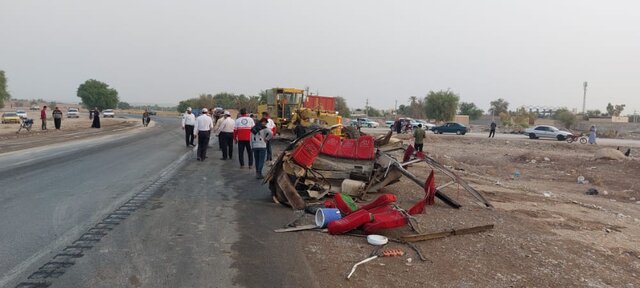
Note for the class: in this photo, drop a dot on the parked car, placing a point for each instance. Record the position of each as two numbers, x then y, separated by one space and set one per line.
364 122
450 127
389 123
34 108
152 112
21 113
108 113
10 117
73 113
425 125
546 131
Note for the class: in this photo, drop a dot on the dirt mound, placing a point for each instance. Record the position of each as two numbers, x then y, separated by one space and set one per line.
609 154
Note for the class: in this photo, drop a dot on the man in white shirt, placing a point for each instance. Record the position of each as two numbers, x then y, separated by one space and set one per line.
203 127
188 121
225 135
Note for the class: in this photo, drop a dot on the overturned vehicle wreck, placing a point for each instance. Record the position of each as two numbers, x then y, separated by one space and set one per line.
321 164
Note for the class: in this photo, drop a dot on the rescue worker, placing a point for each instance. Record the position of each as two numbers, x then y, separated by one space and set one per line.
188 122
242 136
260 136
272 126
203 127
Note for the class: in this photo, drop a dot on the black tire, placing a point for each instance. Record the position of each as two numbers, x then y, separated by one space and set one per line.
532 136
440 132
458 132
561 137
583 140
369 125
435 131
569 139
462 133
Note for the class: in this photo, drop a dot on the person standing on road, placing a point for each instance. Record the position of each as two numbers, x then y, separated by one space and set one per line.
203 127
145 118
43 117
272 126
188 122
398 126
299 130
96 118
57 118
260 136
418 136
242 136
225 135
592 134
492 132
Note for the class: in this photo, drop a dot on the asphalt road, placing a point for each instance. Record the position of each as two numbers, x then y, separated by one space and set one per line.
52 194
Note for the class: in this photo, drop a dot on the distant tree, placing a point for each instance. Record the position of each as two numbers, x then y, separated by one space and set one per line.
4 91
248 102
52 104
373 112
617 110
566 117
97 94
498 106
341 107
402 110
124 105
610 109
522 117
441 105
505 119
593 113
263 96
471 110
33 102
416 107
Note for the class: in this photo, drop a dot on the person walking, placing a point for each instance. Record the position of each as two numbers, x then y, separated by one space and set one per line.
260 136
492 132
43 117
203 127
96 118
398 126
299 130
592 134
272 126
57 118
145 118
242 136
225 135
188 122
418 136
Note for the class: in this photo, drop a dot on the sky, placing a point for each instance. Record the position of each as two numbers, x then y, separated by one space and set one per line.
530 53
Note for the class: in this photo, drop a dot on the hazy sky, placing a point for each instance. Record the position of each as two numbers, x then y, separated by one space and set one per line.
527 52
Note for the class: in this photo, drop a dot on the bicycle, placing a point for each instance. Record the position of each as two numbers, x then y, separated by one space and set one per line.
581 138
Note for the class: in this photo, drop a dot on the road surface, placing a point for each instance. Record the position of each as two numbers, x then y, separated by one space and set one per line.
52 194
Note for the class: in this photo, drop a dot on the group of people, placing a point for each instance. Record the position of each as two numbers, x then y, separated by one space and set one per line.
252 136
56 115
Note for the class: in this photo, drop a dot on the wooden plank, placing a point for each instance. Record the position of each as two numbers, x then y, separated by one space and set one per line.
297 228
443 234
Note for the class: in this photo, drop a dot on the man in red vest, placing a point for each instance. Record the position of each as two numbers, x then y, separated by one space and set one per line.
242 136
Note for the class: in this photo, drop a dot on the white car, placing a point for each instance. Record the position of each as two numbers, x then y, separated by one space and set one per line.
546 131
108 113
21 113
73 113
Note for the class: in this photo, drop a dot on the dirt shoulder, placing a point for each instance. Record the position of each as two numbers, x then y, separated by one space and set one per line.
547 233
71 129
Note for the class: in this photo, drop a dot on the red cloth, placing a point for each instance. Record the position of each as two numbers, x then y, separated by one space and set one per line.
350 222
429 196
385 220
43 114
408 153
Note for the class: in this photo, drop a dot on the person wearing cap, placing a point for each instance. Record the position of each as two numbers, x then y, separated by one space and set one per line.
203 127
242 136
225 135
188 122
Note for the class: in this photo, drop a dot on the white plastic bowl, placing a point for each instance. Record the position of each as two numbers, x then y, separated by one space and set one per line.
377 240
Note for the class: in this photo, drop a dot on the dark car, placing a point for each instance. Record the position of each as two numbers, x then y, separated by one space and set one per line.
152 112
450 127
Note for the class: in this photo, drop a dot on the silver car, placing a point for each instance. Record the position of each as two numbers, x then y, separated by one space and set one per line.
546 131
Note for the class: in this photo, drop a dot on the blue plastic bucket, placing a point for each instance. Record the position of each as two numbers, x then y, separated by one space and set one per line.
324 216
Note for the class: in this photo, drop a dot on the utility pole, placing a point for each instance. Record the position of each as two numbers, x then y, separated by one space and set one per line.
584 98
366 108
